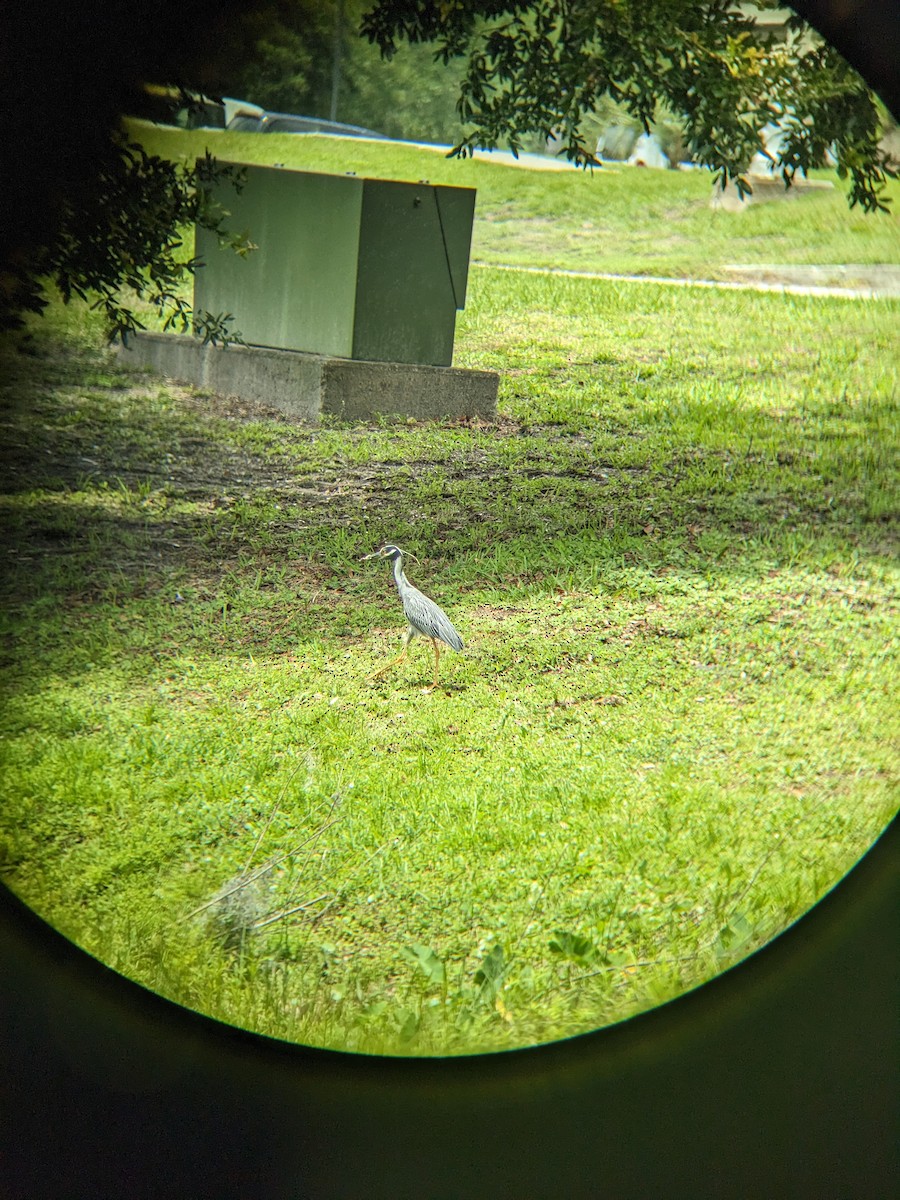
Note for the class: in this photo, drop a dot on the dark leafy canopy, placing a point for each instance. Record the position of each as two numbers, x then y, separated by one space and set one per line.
307 57
79 205
291 49
128 241
539 66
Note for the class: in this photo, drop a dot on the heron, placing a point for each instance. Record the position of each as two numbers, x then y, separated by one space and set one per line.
425 618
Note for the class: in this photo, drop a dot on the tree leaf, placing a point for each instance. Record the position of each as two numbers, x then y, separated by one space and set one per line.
733 937
573 947
427 961
491 971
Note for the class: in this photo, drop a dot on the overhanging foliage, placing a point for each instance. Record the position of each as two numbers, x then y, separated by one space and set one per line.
541 66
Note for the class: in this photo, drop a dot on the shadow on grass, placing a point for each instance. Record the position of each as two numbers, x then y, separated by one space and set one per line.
109 497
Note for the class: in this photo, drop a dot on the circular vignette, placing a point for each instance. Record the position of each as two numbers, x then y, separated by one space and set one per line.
49 1001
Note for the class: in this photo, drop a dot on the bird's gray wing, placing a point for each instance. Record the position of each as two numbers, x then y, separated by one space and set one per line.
429 619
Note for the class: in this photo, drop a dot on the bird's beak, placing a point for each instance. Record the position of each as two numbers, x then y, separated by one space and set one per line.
374 554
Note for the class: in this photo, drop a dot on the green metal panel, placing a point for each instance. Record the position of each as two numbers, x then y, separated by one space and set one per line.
405 306
297 290
356 268
456 210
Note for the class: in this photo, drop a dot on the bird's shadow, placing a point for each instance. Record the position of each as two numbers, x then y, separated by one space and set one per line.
423 688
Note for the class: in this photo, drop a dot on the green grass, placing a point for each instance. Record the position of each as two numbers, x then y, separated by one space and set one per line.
616 219
672 559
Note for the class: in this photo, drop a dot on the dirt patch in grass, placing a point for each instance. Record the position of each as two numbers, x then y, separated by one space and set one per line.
127 485
153 481
883 278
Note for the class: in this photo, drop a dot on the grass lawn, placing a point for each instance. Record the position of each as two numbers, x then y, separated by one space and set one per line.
617 219
673 727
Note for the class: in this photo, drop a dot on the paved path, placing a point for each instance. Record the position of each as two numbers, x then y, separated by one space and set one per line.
885 282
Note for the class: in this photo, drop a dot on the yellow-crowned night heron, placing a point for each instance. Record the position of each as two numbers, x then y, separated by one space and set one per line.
425 618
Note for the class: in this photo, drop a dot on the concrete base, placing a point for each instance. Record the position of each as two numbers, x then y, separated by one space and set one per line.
308 385
765 188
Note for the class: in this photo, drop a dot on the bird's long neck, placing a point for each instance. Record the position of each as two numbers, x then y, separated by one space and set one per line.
399 577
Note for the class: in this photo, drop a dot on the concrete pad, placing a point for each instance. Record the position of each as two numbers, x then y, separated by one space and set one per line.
307 385
765 188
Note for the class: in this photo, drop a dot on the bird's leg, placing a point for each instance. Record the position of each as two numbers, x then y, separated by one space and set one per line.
395 662
437 659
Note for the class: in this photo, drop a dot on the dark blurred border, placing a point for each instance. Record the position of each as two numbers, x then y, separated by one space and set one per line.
780 1078
867 34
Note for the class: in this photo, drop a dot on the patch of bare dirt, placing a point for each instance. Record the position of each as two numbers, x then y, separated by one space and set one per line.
882 279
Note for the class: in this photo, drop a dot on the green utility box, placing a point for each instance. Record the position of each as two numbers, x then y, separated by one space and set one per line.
350 267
